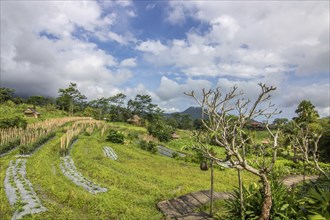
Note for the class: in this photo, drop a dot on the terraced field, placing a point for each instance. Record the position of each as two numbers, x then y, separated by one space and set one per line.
136 181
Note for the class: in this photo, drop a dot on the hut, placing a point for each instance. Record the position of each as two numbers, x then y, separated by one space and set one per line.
31 112
175 136
135 120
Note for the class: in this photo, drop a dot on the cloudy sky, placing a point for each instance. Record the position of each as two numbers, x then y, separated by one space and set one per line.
166 48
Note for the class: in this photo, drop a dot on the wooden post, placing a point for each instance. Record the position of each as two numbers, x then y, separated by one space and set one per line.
212 188
240 183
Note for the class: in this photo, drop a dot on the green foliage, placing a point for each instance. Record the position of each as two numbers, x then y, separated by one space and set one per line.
161 131
142 105
324 144
7 147
70 99
280 121
284 203
148 146
102 107
316 199
306 112
115 137
6 94
180 121
14 122
39 101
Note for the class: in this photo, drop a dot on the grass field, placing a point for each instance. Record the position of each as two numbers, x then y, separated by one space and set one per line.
136 182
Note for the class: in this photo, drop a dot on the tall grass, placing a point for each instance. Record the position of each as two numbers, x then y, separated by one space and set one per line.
12 137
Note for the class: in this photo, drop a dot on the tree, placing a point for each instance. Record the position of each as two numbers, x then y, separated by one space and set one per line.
228 133
306 112
6 94
280 121
324 144
39 100
305 140
142 105
110 106
160 130
70 99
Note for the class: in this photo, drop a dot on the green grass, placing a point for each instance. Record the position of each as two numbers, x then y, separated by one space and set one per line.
136 182
12 110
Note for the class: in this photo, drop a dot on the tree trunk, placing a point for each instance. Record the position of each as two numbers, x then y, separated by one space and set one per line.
212 187
267 202
240 184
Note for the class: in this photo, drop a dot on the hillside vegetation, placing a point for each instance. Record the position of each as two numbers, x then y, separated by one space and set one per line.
135 182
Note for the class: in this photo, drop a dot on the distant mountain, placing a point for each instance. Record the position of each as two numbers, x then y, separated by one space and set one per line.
194 112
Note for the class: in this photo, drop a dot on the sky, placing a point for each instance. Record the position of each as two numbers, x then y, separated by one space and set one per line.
166 48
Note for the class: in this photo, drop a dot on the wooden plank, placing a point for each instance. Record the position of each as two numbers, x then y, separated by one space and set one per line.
201 197
222 195
182 207
191 201
167 209
207 193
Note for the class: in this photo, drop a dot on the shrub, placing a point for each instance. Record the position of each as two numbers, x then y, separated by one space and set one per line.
316 199
115 137
15 122
149 146
284 203
7 147
161 131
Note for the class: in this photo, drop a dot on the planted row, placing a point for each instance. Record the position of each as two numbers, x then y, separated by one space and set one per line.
109 152
77 128
19 190
70 171
29 138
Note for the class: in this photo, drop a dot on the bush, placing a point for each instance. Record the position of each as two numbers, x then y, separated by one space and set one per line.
316 199
7 147
149 146
161 131
284 203
115 137
16 122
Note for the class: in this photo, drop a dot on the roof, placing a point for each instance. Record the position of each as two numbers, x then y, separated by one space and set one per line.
31 111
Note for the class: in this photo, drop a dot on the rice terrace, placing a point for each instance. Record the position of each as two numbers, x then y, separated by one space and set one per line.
186 110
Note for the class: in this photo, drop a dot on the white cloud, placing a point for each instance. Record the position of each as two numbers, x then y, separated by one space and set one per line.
34 63
272 31
176 15
319 94
130 62
169 89
150 46
116 37
150 7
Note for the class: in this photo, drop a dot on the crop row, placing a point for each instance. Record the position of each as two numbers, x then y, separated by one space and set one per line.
77 128
34 134
19 190
109 152
70 171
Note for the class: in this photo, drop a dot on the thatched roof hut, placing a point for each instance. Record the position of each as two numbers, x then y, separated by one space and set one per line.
31 112
135 120
175 136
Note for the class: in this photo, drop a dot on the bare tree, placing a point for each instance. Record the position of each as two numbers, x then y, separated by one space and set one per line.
305 143
229 132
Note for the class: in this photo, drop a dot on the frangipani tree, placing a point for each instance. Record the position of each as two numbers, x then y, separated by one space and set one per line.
229 132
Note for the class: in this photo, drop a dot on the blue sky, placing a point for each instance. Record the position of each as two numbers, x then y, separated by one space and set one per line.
166 48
